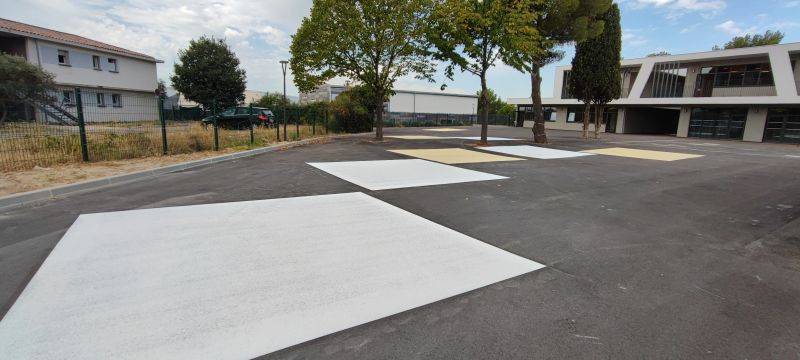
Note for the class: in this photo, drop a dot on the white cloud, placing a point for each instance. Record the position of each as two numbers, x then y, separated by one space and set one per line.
631 38
730 27
257 30
677 8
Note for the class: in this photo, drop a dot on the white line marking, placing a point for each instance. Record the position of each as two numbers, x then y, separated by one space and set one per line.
238 280
535 152
395 174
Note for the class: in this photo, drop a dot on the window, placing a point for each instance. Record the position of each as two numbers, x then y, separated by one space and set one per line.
718 123
116 100
63 57
742 75
549 114
67 98
96 62
565 93
112 65
101 100
575 115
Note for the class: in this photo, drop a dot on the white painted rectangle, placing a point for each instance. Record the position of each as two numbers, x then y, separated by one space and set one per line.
534 152
395 174
238 280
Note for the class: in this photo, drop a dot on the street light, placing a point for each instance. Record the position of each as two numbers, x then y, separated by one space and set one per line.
284 63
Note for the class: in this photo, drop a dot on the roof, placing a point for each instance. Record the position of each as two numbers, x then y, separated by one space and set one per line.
62 37
435 93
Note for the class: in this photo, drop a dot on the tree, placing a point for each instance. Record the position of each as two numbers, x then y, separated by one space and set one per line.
21 81
472 35
373 42
208 73
658 53
607 85
495 104
559 22
272 101
768 38
351 110
595 74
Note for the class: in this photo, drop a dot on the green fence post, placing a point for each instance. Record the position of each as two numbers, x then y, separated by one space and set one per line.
314 124
297 124
250 117
81 125
325 124
216 132
161 119
284 122
277 126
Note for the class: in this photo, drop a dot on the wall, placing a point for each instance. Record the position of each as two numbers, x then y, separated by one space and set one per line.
432 103
754 127
136 106
562 124
683 122
134 74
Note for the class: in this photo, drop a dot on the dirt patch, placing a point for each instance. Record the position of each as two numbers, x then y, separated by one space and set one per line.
12 182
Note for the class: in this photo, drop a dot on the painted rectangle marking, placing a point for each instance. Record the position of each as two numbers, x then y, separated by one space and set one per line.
395 174
239 280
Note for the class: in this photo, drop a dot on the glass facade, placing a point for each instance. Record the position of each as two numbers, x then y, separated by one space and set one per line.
783 125
525 113
718 123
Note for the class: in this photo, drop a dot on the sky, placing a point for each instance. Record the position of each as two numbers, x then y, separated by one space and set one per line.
260 32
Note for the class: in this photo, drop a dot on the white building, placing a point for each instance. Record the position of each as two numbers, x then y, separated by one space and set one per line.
117 84
748 94
407 102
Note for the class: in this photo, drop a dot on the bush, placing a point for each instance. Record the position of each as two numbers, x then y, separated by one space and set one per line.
350 114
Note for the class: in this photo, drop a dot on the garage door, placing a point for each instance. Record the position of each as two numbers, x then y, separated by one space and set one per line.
783 125
718 123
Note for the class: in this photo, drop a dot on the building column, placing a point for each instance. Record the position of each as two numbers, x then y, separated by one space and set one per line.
621 114
756 122
683 122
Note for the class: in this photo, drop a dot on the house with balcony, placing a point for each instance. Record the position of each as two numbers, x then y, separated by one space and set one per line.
118 84
748 94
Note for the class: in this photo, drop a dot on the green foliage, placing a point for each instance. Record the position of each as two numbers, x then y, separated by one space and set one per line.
208 72
559 22
473 35
658 53
563 21
595 76
768 38
20 80
273 101
373 42
607 79
350 111
496 105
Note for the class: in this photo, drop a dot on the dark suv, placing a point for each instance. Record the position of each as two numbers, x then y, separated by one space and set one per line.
239 118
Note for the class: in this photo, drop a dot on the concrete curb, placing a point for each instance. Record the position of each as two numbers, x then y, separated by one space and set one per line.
16 200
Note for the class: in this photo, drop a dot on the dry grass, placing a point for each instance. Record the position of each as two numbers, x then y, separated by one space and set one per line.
25 146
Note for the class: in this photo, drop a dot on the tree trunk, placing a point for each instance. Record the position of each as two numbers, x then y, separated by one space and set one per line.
484 112
3 114
539 134
587 109
379 118
598 120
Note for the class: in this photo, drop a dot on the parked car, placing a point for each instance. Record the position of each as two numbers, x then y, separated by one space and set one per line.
239 118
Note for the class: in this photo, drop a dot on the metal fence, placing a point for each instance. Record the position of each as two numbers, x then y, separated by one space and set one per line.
402 119
78 124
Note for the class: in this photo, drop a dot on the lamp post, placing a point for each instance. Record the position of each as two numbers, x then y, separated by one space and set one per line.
284 63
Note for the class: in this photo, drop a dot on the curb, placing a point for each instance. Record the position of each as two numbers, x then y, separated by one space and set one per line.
16 200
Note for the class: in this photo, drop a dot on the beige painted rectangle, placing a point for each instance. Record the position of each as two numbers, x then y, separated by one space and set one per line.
644 154
454 155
